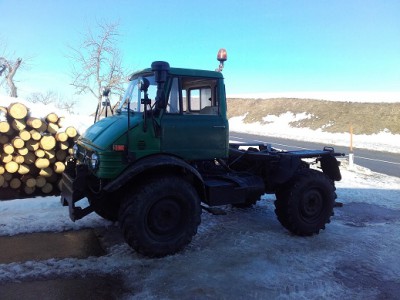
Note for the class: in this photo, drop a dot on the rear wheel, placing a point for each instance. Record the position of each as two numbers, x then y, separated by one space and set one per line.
161 217
305 204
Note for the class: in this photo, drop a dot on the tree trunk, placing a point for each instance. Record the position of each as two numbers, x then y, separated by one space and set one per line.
10 77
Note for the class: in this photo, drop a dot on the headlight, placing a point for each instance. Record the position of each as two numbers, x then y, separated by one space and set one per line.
94 161
76 150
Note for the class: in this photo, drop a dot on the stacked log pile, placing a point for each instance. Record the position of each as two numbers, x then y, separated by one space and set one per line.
33 152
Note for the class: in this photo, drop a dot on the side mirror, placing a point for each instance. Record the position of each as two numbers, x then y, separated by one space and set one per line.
143 84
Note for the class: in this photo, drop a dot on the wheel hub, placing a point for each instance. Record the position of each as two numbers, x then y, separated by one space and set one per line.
312 204
164 217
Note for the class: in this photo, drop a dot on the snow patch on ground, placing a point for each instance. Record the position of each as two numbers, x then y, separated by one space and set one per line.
245 254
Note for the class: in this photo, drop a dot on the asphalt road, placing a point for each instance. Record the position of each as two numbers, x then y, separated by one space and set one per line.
381 162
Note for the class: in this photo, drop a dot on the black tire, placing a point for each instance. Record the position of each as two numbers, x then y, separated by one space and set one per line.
305 204
161 217
105 206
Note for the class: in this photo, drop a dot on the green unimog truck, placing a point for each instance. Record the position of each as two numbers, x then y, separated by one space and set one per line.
164 155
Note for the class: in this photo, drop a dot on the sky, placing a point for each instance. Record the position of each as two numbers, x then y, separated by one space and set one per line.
273 46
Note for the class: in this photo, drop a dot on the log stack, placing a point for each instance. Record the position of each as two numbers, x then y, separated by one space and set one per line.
33 152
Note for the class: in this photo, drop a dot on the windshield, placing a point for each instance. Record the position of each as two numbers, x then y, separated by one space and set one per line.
133 95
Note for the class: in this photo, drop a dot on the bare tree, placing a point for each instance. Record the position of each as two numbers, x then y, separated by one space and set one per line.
96 63
52 97
9 68
44 98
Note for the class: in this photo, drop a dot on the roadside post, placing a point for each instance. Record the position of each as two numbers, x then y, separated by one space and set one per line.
351 154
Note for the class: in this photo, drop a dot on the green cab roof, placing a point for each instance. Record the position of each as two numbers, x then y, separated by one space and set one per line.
182 72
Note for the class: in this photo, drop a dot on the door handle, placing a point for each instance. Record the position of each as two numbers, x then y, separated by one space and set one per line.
219 126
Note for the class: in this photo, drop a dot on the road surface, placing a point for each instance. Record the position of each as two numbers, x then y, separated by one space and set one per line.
381 162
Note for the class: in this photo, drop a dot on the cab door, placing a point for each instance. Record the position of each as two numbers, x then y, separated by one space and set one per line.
194 125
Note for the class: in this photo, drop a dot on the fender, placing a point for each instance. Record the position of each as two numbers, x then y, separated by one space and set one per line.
158 161
330 166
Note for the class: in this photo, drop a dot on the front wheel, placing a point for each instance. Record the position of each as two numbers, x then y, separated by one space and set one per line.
305 204
160 217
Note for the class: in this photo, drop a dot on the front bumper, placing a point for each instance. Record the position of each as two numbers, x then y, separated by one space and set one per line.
73 189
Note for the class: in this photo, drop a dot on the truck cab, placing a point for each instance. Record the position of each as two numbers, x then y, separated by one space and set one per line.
182 114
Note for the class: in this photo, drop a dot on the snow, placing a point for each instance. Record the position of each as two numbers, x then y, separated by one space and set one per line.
343 96
245 254
280 127
39 110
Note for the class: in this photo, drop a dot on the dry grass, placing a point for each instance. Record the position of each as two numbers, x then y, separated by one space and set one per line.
366 118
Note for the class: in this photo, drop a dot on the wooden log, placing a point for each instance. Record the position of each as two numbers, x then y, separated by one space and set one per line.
19 159
18 125
34 122
47 142
61 122
11 132
53 178
40 153
40 181
52 117
11 167
17 110
71 131
50 154
4 139
30 158
7 176
61 154
47 188
24 169
5 184
5 158
46 172
4 127
52 128
23 151
8 148
63 145
3 110
15 183
17 142
28 180
59 167
25 135
42 128
29 190
35 135
42 163
2 170
61 136
1 180
32 145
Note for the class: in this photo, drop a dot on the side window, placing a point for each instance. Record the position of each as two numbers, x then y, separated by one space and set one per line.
200 98
173 100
